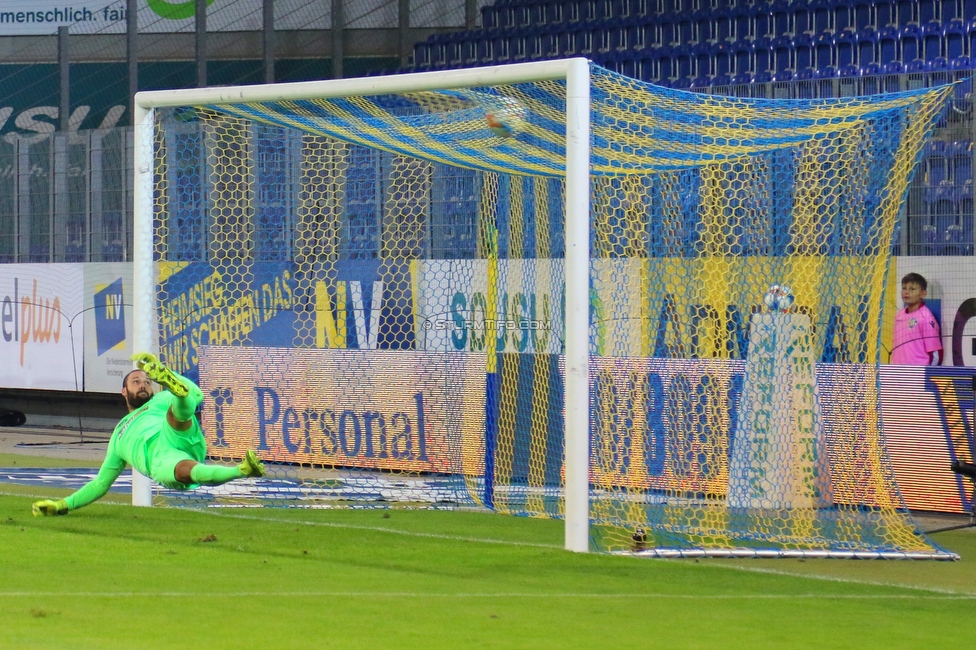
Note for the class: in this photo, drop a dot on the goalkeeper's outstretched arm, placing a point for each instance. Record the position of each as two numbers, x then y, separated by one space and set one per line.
95 489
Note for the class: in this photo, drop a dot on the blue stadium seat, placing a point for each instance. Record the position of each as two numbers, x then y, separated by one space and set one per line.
761 22
802 51
783 76
927 10
910 37
849 70
907 12
823 15
844 44
915 66
962 62
741 18
870 70
721 24
781 17
681 83
823 50
802 22
870 79
936 169
960 154
885 13
782 47
701 82
721 80
721 53
932 35
826 72
867 46
742 78
893 67
971 35
762 54
742 56
954 36
889 45
863 14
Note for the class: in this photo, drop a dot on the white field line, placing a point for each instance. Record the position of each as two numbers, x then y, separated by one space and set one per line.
718 563
414 594
383 529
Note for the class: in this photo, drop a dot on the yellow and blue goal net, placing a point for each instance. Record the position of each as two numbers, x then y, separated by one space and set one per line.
371 292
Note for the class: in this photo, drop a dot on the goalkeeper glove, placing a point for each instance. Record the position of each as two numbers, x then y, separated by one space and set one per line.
48 508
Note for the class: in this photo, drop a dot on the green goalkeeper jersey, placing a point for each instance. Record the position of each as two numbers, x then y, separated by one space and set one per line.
144 440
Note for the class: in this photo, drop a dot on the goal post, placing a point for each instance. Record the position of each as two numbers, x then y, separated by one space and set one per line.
576 74
544 289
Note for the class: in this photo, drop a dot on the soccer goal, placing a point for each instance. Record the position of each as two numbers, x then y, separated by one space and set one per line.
544 289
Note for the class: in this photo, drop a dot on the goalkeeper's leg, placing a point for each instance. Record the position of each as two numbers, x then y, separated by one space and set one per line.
188 394
190 471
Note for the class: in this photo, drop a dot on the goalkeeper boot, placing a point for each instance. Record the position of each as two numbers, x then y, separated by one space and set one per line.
48 508
160 374
251 466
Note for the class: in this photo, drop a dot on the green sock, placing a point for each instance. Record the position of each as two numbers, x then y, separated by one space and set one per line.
214 474
185 407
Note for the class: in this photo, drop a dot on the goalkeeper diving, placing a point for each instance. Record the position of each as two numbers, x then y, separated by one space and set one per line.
160 437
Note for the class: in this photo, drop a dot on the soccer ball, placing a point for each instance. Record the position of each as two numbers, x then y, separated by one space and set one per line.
778 298
505 117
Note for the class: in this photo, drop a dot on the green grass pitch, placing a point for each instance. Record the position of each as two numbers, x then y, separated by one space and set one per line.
114 576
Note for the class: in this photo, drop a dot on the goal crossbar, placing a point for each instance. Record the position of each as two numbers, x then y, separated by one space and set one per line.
575 72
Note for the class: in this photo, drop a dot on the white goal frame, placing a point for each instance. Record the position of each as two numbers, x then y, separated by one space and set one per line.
575 72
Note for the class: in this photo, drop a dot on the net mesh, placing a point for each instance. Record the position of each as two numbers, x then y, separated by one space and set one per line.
370 292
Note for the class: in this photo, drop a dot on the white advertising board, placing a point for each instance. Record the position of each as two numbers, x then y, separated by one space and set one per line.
108 325
39 309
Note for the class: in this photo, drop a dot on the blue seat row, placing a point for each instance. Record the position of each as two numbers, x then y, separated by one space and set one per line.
698 21
934 46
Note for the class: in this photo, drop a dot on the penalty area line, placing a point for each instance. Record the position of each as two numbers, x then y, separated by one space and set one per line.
719 564
383 529
415 594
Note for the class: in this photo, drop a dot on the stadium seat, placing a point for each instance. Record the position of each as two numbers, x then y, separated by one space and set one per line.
701 82
863 14
866 40
936 170
844 44
782 56
741 19
870 70
783 76
721 53
743 78
910 37
823 16
971 35
915 66
801 17
762 54
932 35
781 17
907 12
954 38
885 13
802 51
926 10
889 45
823 50
742 56
721 80
960 154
